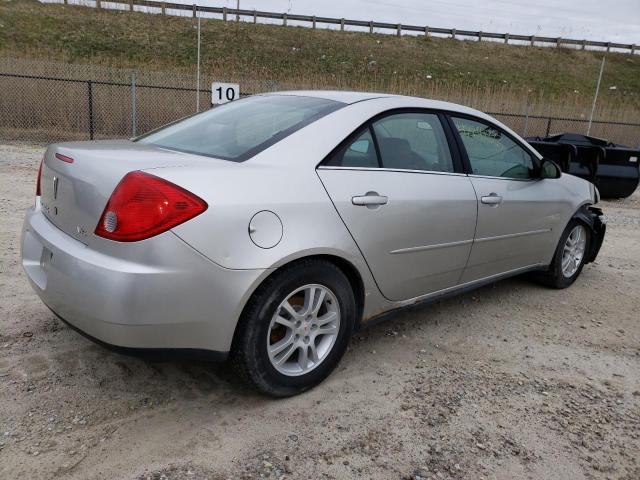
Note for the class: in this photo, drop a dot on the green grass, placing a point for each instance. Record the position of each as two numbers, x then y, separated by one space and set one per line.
311 57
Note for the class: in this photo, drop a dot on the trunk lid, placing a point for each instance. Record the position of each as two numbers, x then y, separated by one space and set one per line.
78 179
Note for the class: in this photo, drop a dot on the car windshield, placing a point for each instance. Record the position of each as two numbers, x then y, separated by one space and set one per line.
239 130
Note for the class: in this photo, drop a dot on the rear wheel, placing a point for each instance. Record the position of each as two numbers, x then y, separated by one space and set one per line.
569 257
295 328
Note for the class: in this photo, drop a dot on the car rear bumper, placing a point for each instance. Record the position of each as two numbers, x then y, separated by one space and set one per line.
158 294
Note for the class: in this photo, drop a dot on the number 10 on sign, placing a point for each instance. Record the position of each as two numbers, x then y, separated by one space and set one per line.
224 92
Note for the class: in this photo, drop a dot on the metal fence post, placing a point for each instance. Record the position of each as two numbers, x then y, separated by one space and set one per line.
526 118
133 103
342 24
453 33
595 96
548 127
198 70
479 36
90 102
313 22
284 19
224 14
506 38
399 27
255 17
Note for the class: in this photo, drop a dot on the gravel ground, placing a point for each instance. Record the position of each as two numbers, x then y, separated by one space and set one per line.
512 381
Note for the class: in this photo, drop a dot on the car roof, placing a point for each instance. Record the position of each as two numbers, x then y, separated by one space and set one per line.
349 97
335 95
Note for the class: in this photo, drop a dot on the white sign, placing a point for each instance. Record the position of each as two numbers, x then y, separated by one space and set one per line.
224 92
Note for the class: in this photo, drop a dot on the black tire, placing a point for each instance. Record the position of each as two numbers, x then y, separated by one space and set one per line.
553 277
249 352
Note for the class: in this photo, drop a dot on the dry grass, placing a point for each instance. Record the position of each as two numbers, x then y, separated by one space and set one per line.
48 110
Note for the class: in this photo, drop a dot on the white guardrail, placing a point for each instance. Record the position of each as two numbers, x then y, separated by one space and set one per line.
342 22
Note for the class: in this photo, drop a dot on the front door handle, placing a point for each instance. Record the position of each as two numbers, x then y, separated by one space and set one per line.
491 199
371 199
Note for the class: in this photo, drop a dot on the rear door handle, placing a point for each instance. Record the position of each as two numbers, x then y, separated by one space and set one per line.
370 199
491 199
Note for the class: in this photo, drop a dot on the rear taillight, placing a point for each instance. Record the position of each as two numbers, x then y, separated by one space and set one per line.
38 190
143 205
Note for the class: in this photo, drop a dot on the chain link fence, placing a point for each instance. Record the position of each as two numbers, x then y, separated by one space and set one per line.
625 133
42 102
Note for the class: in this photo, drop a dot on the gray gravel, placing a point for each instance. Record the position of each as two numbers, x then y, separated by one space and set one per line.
512 381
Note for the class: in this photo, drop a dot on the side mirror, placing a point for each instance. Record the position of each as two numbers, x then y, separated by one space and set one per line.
549 169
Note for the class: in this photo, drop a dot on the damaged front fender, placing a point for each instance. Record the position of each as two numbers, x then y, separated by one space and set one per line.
597 223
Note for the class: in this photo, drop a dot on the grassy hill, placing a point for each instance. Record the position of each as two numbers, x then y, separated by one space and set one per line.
301 56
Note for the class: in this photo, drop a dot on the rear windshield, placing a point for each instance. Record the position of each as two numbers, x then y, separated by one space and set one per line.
239 130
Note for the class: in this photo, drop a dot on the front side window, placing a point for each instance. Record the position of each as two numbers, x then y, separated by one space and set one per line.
491 152
413 141
239 130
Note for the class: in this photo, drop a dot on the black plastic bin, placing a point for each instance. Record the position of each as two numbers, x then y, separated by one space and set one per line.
612 168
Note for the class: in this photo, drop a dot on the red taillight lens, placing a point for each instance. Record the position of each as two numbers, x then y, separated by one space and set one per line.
144 205
38 189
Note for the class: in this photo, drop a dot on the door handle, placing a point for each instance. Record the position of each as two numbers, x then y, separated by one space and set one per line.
370 199
491 199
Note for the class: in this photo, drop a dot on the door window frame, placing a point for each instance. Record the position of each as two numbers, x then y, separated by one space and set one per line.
451 143
465 156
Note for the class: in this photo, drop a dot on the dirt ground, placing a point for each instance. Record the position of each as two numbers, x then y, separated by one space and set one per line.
512 381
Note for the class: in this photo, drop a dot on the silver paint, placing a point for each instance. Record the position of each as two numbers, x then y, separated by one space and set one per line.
426 234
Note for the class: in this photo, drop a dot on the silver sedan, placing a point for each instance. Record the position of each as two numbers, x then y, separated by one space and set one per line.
268 229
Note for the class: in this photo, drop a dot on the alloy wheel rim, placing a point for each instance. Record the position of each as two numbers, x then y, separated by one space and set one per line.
573 251
303 330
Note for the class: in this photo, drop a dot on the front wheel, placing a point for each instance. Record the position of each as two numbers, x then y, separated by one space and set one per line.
295 328
570 256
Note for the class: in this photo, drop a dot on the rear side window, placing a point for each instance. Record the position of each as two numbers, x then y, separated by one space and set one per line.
239 130
402 141
360 153
491 152
413 141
